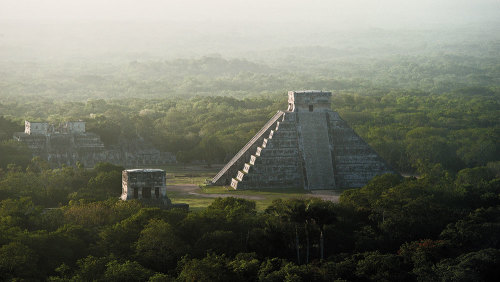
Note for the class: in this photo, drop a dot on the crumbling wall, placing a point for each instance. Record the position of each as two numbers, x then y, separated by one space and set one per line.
60 148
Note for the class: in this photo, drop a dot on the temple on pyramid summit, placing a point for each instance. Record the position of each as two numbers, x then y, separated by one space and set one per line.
307 146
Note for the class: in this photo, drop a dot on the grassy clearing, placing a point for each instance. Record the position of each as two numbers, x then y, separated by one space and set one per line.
263 198
196 203
204 195
192 174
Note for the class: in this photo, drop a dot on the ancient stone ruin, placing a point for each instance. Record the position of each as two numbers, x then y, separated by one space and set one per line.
307 146
144 184
69 143
147 185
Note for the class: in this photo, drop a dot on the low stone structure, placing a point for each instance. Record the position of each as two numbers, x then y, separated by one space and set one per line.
69 143
307 146
146 184
66 143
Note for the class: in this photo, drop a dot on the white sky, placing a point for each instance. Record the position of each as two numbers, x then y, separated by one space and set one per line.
332 11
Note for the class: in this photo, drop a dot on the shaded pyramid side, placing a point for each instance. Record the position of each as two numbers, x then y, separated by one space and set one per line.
316 150
355 161
276 163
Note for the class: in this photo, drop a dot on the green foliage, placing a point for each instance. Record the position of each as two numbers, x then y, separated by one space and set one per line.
210 268
127 271
13 152
475 266
90 268
158 246
232 208
476 231
422 229
382 267
17 261
104 185
245 266
423 255
19 213
8 127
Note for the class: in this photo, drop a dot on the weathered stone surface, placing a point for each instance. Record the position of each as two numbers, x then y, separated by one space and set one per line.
307 146
314 143
144 183
226 174
68 144
148 186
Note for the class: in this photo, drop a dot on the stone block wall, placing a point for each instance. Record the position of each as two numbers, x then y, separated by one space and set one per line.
275 163
310 146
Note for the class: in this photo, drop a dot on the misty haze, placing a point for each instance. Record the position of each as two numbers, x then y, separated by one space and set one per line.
249 140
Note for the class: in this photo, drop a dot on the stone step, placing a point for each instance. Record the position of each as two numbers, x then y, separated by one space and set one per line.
223 176
287 126
234 183
282 152
247 168
275 161
241 175
274 169
282 143
271 184
363 159
253 159
285 134
316 150
264 143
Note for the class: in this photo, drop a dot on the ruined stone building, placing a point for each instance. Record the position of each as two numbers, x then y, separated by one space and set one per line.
69 143
148 184
307 146
66 143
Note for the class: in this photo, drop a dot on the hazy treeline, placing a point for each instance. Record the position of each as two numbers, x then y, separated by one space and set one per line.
239 62
242 78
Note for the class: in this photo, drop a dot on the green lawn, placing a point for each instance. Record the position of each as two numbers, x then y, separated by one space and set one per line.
191 174
266 196
178 175
196 203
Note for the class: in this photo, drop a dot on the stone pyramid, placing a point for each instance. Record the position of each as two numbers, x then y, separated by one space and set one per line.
307 146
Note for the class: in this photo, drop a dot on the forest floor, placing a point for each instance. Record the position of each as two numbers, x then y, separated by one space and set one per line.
185 184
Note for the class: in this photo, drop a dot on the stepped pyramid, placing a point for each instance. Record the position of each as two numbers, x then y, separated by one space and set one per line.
307 146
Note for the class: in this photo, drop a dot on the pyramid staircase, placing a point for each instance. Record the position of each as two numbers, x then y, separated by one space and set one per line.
276 162
232 167
308 146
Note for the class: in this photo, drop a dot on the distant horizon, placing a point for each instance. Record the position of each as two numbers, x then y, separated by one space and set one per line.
384 13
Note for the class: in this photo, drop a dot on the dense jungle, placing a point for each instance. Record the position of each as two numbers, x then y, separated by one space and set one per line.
425 98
